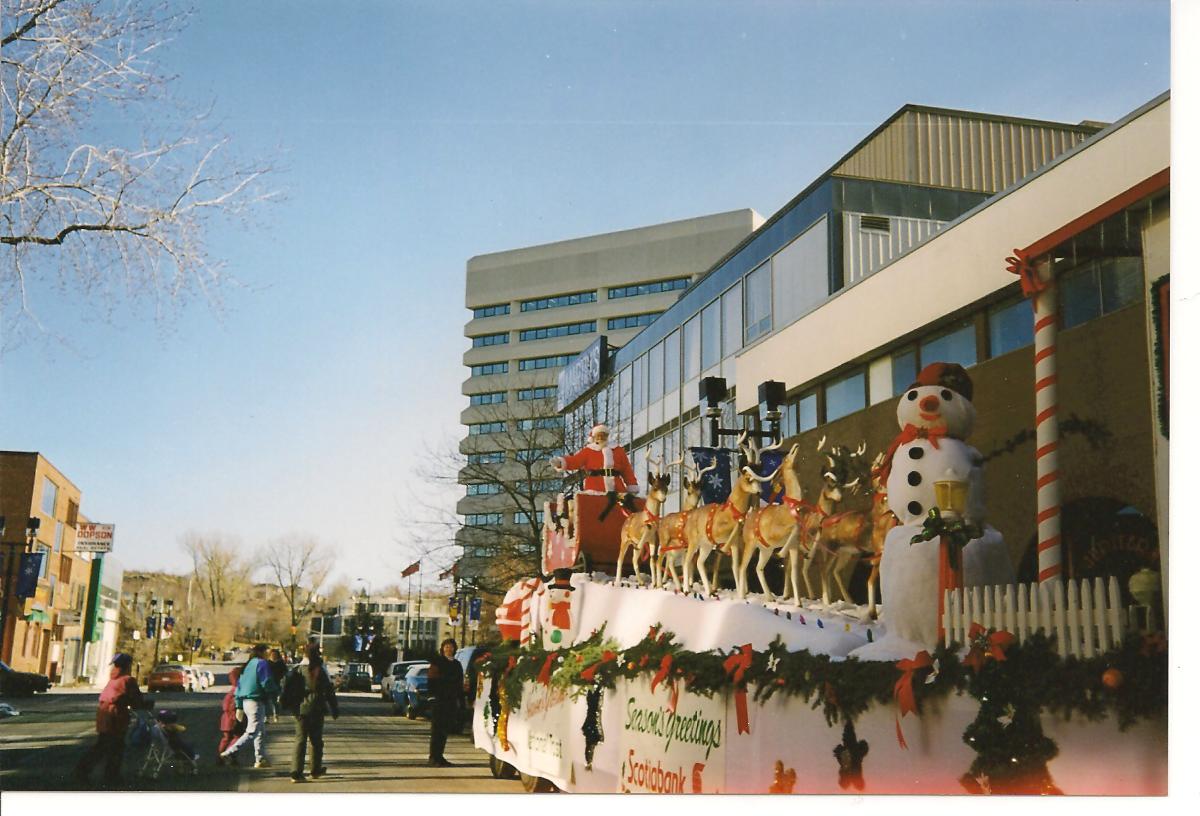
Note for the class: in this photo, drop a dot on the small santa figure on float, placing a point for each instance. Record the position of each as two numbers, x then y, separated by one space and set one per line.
606 469
930 466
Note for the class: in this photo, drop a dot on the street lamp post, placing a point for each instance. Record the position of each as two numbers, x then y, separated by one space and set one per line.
159 617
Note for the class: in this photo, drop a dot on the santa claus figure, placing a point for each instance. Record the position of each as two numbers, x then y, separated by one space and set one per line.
606 468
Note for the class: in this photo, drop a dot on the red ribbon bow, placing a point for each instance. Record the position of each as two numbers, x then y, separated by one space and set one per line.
986 645
736 666
910 433
512 664
664 668
1019 264
544 674
903 690
589 673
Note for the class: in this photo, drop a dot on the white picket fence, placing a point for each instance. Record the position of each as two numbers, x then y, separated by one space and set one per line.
1084 618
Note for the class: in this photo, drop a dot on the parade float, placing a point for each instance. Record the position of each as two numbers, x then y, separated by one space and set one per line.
964 682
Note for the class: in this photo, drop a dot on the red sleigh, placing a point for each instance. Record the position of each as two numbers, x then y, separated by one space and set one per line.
580 540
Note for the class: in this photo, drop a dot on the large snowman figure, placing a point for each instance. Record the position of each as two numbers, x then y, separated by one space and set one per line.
935 416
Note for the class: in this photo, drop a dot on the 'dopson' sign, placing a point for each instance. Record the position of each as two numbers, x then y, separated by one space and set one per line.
665 750
582 374
94 538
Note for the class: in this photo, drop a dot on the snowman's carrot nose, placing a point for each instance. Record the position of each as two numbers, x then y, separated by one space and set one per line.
929 404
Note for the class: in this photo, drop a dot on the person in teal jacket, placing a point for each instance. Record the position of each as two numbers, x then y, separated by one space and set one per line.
254 698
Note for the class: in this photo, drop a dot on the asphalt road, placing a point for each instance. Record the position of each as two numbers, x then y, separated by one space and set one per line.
367 749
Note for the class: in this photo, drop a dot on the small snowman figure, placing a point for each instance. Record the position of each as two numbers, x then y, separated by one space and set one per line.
935 416
558 621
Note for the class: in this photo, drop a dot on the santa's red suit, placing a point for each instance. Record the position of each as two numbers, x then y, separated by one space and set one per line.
604 469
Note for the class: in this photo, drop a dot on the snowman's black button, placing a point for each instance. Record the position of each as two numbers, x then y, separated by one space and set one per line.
914 478
914 508
916 452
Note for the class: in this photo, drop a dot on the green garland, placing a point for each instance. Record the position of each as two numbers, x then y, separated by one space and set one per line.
1013 690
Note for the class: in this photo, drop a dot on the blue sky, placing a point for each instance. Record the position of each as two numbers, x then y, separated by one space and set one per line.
413 136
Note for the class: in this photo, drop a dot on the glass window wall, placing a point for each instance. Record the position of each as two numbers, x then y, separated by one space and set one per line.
671 362
954 346
691 349
710 335
1010 327
800 274
845 396
731 321
758 302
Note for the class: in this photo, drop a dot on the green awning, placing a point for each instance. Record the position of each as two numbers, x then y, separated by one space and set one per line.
37 616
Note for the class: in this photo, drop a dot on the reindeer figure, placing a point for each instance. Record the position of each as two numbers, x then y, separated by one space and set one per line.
882 520
717 527
672 542
839 542
775 528
640 530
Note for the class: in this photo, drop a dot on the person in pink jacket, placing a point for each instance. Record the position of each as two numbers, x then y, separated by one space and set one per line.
231 729
112 721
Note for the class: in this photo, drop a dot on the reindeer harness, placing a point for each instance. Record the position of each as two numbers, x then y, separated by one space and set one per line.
737 515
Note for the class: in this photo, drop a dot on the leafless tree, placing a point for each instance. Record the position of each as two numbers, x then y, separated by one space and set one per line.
219 568
298 565
85 205
497 552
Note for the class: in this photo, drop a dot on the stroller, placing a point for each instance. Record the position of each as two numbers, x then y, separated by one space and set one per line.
167 745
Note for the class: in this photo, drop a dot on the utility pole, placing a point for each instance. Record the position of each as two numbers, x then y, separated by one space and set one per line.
408 621
420 584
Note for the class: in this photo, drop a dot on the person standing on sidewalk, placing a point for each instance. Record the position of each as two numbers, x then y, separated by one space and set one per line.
311 691
231 728
112 721
279 670
446 689
254 698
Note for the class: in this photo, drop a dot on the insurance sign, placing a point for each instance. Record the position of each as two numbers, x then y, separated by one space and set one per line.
94 538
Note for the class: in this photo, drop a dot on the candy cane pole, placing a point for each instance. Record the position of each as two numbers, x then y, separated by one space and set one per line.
1040 286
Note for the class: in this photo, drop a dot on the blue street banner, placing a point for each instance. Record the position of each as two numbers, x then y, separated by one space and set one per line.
151 626
475 613
168 626
27 577
714 485
196 644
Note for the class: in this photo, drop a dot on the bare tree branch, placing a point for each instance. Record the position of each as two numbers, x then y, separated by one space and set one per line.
298 566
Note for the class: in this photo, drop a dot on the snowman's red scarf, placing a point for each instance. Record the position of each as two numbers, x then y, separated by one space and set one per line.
911 432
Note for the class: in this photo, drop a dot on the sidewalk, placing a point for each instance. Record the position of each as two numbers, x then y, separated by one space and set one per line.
369 750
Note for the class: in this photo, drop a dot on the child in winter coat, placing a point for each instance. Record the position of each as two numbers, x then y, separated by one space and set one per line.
231 729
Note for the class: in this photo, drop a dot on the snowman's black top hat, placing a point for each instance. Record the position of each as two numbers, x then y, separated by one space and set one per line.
947 375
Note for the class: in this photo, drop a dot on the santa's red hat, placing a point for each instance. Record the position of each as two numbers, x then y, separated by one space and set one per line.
599 429
947 375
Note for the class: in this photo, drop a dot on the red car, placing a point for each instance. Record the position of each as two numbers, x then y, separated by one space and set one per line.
168 676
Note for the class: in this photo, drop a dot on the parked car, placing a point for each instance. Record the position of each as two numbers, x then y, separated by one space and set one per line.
416 692
398 692
395 676
170 676
467 657
212 678
15 683
356 677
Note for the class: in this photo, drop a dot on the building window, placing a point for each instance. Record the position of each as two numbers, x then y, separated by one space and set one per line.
845 396
565 330
539 486
483 519
654 373
553 361
731 321
1010 327
806 413
954 346
539 423
45 551
671 362
758 302
1099 288
635 289
632 321
541 392
691 349
498 339
904 370
483 489
530 455
710 335
492 311
521 517
490 398
49 496
485 458
800 275
639 383
477 428
489 368
537 304
58 536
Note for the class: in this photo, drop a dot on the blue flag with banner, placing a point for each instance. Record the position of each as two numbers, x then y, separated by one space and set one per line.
476 610
151 626
27 577
714 485
769 462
